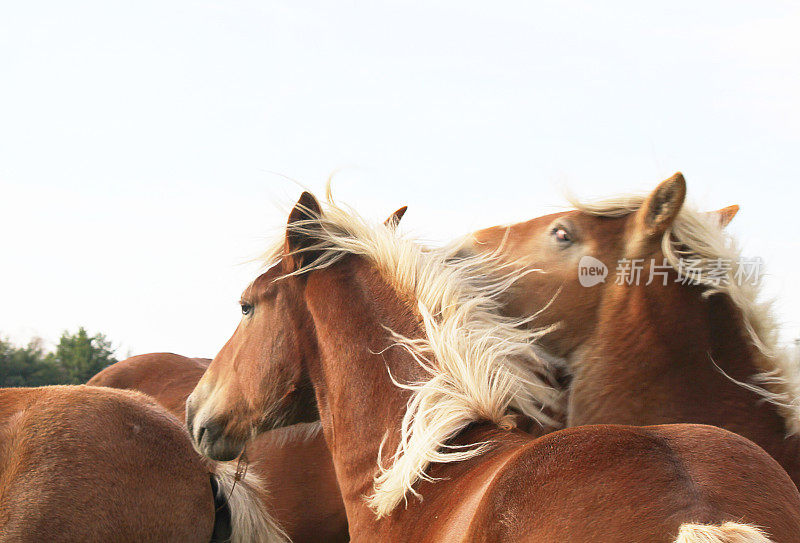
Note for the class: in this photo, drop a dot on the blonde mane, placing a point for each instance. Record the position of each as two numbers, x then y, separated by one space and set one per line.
479 363
698 237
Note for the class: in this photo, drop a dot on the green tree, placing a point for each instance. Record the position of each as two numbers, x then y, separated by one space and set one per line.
27 366
80 356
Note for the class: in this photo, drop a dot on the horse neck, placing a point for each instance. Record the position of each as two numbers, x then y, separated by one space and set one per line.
359 405
665 354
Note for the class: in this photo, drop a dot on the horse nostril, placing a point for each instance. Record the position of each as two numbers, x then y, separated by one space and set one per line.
211 441
209 432
212 430
200 433
190 418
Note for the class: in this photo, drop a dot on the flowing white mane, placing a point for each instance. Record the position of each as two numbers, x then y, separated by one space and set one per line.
479 362
699 238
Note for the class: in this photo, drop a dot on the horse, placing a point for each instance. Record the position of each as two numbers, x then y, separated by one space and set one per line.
298 484
405 358
84 463
686 342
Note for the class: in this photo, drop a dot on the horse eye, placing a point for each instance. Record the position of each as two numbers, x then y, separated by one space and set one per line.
561 234
246 308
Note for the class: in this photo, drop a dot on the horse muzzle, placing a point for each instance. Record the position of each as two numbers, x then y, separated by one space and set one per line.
208 436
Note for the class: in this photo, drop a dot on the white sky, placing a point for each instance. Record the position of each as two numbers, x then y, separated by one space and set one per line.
142 144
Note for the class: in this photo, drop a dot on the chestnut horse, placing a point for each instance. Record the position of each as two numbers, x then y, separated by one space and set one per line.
686 342
81 463
405 359
299 485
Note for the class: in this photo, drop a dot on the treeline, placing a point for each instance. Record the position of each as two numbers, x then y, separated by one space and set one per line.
76 358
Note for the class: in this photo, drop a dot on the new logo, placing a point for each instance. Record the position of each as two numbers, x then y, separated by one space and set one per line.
591 271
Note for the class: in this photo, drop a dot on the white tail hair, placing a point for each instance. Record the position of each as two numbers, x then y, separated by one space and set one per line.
729 532
250 522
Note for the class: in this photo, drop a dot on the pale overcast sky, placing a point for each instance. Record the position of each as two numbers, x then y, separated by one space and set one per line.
143 144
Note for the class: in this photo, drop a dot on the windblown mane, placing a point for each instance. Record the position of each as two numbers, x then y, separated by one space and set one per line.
698 237
479 362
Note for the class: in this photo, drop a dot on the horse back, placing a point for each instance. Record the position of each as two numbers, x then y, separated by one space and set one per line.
167 377
619 483
92 464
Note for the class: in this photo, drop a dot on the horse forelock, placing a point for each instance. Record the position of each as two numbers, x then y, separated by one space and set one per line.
698 237
480 363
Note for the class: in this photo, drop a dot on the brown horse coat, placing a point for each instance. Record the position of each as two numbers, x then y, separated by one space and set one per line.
315 343
645 352
80 463
294 464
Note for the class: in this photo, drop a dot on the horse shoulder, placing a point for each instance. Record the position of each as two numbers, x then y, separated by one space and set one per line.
511 499
473 488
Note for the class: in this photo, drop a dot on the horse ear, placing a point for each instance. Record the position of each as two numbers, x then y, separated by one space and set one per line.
300 233
725 215
661 207
394 219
